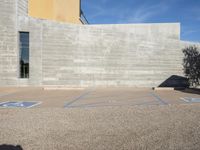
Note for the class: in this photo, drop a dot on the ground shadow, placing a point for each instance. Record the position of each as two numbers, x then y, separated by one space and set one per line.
179 83
176 82
10 147
190 90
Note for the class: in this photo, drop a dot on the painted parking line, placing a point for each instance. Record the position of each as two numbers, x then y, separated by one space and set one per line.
159 99
150 103
115 105
19 104
190 100
95 106
86 105
106 104
83 95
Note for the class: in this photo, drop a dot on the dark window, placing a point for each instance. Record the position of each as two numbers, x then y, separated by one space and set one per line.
24 54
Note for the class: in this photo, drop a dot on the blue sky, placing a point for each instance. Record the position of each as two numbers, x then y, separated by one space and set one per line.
187 12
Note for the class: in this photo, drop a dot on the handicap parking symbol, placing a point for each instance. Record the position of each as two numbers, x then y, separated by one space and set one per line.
18 104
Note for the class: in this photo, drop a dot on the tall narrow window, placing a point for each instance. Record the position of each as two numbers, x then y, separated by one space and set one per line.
24 54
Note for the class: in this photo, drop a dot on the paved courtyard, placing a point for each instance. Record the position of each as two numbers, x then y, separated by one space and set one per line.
95 97
100 118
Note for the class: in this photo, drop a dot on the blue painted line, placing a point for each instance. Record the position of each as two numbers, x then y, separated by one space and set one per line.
78 98
159 99
94 106
112 105
145 103
89 104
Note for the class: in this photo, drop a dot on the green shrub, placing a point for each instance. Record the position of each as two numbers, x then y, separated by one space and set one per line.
191 64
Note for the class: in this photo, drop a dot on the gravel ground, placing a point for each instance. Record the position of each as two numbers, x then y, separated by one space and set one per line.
172 127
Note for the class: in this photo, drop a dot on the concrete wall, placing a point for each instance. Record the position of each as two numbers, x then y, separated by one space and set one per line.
147 31
141 55
108 57
22 6
8 41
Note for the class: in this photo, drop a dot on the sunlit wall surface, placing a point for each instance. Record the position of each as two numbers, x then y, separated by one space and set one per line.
59 10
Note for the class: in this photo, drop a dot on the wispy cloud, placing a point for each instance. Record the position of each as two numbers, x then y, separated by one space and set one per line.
188 32
99 9
135 14
143 13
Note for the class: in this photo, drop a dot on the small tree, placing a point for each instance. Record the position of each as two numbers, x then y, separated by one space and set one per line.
191 64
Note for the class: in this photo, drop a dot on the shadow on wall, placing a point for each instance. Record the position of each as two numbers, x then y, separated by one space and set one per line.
10 147
175 81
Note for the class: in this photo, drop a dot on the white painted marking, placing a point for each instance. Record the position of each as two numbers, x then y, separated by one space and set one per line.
184 99
37 103
4 102
62 88
190 100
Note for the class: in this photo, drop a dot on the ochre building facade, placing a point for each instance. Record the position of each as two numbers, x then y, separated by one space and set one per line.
58 10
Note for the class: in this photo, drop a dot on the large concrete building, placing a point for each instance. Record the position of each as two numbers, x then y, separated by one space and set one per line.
41 45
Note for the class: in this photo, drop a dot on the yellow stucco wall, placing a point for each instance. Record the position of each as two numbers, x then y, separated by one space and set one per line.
58 10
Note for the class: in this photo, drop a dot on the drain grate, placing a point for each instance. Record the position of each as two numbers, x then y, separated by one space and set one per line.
191 100
20 104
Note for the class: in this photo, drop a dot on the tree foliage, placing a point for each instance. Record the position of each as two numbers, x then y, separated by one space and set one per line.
191 64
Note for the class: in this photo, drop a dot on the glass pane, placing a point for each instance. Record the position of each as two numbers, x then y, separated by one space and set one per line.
24 54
